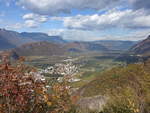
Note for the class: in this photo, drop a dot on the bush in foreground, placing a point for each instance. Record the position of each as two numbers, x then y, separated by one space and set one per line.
22 90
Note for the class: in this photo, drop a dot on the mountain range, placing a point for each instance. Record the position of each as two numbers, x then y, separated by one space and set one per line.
37 37
47 48
117 44
39 49
11 39
36 43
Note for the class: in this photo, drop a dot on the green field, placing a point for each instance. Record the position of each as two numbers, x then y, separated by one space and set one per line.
89 64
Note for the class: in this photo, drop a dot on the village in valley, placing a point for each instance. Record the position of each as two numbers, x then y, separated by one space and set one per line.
60 70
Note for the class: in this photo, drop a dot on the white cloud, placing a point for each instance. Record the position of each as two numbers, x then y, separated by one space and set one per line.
43 19
56 32
142 21
36 17
29 16
31 20
112 19
31 24
53 7
34 20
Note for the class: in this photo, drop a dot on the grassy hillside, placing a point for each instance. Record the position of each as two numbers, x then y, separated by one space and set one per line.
123 86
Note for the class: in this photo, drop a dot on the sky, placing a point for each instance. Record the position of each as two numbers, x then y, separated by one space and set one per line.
83 20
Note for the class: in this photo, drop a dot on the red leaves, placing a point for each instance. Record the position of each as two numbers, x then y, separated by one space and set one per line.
22 91
17 88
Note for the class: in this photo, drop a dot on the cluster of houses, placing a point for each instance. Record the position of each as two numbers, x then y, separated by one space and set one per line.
61 70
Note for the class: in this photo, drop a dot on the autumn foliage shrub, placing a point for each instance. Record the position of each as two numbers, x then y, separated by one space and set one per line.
121 106
21 91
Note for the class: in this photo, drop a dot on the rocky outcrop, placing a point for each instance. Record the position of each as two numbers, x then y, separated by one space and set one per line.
95 103
142 47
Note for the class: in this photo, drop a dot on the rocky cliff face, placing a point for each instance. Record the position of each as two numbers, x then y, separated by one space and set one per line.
142 48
